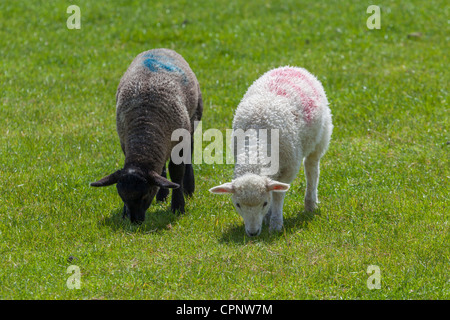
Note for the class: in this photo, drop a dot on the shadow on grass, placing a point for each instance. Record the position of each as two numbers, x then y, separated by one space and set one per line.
236 233
156 219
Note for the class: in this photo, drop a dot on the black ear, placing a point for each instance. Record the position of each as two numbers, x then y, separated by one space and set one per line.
162 182
108 180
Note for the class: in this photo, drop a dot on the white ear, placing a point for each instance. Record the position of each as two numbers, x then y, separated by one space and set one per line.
277 186
226 188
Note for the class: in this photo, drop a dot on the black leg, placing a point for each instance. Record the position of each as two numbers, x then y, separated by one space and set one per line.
162 192
189 181
176 175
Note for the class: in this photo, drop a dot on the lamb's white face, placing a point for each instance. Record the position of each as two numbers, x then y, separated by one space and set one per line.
252 197
253 213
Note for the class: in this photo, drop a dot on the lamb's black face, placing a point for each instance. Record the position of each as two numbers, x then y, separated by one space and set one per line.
137 188
137 196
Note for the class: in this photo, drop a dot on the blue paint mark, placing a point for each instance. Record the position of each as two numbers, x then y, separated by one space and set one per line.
155 63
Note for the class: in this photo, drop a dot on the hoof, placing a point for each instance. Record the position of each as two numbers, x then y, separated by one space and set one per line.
275 227
177 209
310 206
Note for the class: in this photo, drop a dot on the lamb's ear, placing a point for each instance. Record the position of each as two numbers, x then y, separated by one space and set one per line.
223 188
162 182
108 180
276 186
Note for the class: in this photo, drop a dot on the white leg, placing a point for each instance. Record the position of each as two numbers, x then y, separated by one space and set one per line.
276 217
312 172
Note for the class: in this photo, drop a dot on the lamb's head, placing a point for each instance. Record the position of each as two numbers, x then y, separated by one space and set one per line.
136 188
252 198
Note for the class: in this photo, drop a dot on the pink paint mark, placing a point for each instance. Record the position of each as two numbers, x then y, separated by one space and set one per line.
285 77
274 87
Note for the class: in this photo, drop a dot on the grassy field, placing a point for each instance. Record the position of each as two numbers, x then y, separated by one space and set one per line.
384 181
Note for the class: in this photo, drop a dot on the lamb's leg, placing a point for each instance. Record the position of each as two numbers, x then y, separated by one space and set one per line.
189 180
276 217
162 192
176 174
312 172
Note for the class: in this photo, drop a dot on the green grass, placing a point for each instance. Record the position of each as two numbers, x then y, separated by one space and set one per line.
384 181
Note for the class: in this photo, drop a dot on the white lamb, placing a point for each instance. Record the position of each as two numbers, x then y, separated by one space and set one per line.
293 101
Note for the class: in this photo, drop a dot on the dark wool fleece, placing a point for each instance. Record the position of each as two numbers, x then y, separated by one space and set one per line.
158 94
